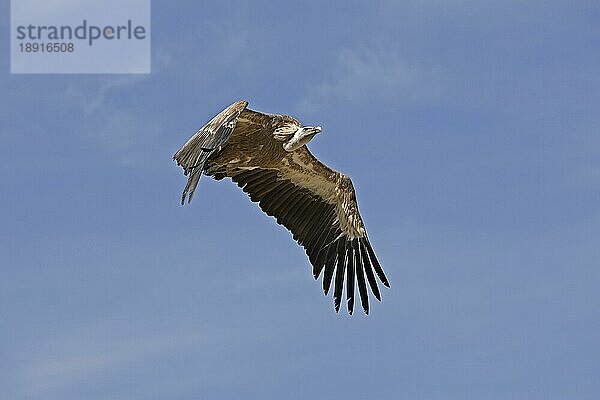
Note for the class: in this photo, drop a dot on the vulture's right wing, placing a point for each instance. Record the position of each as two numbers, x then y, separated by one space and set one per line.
318 205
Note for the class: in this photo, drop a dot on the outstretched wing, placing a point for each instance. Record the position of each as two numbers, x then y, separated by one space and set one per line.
318 205
208 141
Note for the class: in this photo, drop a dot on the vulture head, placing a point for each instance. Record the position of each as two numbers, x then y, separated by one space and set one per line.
302 136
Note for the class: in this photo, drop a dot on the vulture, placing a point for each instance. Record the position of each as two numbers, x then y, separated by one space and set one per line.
267 157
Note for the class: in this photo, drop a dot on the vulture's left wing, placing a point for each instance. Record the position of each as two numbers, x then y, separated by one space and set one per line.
318 205
206 142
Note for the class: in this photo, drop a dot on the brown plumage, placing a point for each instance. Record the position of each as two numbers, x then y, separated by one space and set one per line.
266 155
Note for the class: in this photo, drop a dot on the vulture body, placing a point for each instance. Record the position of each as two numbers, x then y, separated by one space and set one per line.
266 155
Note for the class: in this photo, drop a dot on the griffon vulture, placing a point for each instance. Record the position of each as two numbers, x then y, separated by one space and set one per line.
266 155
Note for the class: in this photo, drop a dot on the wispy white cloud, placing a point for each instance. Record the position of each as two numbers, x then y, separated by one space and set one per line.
93 97
92 352
117 129
365 73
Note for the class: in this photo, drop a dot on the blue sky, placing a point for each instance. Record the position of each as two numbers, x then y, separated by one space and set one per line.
471 131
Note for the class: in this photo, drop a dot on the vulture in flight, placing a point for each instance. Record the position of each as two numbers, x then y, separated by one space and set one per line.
266 156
